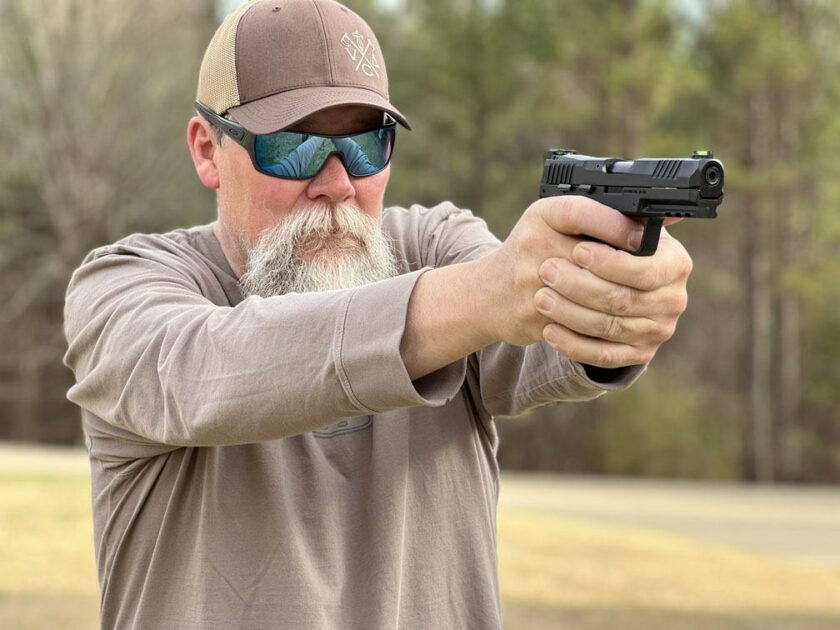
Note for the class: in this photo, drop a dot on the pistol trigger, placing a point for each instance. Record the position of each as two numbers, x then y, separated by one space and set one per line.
650 236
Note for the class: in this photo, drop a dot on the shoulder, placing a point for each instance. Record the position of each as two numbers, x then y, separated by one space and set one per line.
180 255
174 244
400 218
412 229
437 235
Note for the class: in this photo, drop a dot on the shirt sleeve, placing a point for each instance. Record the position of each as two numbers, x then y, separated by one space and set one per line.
154 357
513 379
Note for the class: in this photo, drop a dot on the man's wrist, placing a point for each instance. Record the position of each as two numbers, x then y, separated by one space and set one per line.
486 298
446 318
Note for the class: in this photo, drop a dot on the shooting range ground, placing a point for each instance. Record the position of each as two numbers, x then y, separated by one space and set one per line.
574 552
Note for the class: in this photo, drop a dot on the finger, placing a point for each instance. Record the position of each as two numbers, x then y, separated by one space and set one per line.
634 331
605 354
669 265
583 287
581 216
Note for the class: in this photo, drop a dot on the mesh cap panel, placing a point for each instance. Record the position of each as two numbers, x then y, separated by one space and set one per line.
217 87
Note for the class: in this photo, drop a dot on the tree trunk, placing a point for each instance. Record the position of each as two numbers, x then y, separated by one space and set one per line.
759 297
790 247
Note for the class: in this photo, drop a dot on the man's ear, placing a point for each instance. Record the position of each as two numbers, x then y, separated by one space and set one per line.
203 151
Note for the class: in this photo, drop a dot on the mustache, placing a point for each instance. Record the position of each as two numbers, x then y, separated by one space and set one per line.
310 227
285 257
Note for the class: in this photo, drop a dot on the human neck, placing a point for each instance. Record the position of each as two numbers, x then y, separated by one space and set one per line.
235 256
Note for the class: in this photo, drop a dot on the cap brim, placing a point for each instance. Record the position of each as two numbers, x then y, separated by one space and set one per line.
280 111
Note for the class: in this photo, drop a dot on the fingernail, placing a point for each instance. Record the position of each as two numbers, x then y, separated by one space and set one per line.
544 301
636 239
582 255
548 273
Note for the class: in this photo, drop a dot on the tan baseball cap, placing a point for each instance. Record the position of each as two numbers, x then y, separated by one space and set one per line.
272 63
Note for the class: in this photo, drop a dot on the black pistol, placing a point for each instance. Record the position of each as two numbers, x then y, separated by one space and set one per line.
649 189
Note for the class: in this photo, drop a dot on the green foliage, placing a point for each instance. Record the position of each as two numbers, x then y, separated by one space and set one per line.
95 94
668 426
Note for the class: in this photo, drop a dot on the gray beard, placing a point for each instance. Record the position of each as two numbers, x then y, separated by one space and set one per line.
299 256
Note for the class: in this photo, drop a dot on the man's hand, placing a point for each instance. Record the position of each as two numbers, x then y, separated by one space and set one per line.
593 303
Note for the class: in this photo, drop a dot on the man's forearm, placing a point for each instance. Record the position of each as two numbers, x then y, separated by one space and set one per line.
445 318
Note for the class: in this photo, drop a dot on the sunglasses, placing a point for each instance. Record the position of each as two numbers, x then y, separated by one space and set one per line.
299 155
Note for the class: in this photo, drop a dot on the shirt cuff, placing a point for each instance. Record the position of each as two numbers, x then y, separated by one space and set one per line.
370 366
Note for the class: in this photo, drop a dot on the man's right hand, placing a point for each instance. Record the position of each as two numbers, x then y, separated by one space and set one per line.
612 312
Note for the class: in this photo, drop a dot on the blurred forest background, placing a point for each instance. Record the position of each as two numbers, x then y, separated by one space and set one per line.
95 96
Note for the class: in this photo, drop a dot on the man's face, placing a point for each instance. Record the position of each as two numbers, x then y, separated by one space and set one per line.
308 235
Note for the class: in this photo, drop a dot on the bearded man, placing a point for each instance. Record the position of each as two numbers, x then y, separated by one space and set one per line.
289 411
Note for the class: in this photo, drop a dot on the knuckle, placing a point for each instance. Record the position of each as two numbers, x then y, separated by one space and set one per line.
534 212
646 356
679 302
687 265
567 212
663 332
535 241
614 327
605 358
619 300
651 278
529 236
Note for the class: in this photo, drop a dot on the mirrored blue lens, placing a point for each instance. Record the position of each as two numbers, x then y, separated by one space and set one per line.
296 155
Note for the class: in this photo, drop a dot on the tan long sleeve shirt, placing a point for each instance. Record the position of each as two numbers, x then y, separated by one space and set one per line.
268 463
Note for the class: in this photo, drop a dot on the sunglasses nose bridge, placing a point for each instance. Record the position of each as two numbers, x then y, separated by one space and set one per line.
326 160
333 180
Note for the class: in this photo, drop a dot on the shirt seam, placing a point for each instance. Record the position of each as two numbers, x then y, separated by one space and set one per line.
326 41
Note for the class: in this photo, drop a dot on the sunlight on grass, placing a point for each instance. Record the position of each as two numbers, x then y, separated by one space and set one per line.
554 573
653 580
47 569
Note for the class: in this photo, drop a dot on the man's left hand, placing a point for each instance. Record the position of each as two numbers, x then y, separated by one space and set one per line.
613 308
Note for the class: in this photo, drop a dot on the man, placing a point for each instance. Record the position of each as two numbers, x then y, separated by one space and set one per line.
289 411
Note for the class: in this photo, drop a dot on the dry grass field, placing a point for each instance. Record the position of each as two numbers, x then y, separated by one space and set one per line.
555 572
558 573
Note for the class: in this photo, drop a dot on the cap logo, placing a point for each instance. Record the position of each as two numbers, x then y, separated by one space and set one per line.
358 50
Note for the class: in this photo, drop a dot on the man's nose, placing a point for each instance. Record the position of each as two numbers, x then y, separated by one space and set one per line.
332 181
